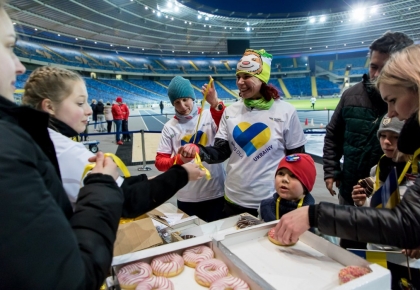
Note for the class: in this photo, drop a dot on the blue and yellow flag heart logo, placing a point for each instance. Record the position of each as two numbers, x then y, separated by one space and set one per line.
251 137
201 139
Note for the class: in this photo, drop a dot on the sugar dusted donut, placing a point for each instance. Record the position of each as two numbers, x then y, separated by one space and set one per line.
167 265
193 256
208 271
161 283
129 276
229 283
352 272
274 241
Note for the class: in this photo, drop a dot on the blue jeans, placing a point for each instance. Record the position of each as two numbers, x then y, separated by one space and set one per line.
118 125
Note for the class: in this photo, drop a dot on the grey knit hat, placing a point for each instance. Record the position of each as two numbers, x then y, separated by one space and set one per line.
180 88
390 124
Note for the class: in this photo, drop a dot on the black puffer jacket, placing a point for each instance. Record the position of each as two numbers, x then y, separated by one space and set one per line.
44 245
352 133
399 227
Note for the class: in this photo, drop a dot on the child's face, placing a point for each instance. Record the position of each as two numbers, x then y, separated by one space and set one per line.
75 109
184 106
388 140
288 186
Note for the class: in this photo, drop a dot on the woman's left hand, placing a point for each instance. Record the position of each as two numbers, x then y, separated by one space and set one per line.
292 225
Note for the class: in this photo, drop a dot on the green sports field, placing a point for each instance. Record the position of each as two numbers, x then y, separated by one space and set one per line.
321 104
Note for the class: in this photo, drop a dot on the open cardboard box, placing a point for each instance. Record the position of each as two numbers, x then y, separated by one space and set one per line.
186 279
223 226
135 236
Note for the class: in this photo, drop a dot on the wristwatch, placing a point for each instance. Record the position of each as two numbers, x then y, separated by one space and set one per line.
219 106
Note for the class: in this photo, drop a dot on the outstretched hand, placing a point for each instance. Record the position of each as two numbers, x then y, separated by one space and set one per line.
358 195
211 96
292 225
104 165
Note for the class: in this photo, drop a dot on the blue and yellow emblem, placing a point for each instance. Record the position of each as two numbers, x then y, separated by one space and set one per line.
251 137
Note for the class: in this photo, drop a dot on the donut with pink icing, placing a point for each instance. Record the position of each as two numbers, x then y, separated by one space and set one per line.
161 283
229 283
208 271
274 241
352 272
129 276
195 255
167 265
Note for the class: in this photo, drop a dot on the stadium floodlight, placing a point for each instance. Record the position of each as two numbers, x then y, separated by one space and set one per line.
169 4
36 29
166 16
247 23
218 52
326 46
206 18
189 23
209 26
146 8
247 28
205 25
176 8
225 27
95 42
76 38
345 44
58 35
142 49
199 16
312 20
322 19
310 48
14 23
158 14
172 18
373 10
202 52
128 47
188 52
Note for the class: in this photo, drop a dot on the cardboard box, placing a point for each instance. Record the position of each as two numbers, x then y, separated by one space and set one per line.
185 280
135 236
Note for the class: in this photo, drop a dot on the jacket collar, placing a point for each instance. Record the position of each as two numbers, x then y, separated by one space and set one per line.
62 128
34 122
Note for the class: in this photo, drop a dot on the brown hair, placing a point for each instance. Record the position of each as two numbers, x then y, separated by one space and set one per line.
403 70
48 82
269 92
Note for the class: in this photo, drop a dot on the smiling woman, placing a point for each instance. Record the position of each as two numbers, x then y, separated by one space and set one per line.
254 133
35 212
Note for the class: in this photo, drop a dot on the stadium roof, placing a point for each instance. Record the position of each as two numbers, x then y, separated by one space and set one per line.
167 27
276 9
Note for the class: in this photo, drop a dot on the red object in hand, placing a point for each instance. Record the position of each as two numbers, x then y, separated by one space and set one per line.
190 150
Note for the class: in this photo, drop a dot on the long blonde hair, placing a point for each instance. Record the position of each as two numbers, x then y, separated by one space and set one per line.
403 70
48 82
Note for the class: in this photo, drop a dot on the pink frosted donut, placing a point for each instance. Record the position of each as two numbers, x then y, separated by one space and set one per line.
129 276
208 271
193 256
167 265
159 283
229 283
352 272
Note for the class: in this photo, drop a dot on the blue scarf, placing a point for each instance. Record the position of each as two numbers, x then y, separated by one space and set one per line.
185 118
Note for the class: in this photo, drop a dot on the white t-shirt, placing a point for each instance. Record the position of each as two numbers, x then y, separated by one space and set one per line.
258 139
72 159
175 135
313 100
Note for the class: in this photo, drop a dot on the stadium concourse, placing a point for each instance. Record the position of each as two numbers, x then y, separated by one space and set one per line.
151 121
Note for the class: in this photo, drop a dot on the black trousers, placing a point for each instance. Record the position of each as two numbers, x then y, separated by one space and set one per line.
125 137
208 210
231 209
109 126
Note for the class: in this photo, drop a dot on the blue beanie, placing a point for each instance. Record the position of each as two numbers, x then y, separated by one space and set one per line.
180 88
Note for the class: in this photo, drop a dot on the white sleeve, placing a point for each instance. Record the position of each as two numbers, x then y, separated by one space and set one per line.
222 133
165 144
293 133
72 162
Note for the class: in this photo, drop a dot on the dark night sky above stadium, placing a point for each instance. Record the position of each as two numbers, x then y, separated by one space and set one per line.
301 7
